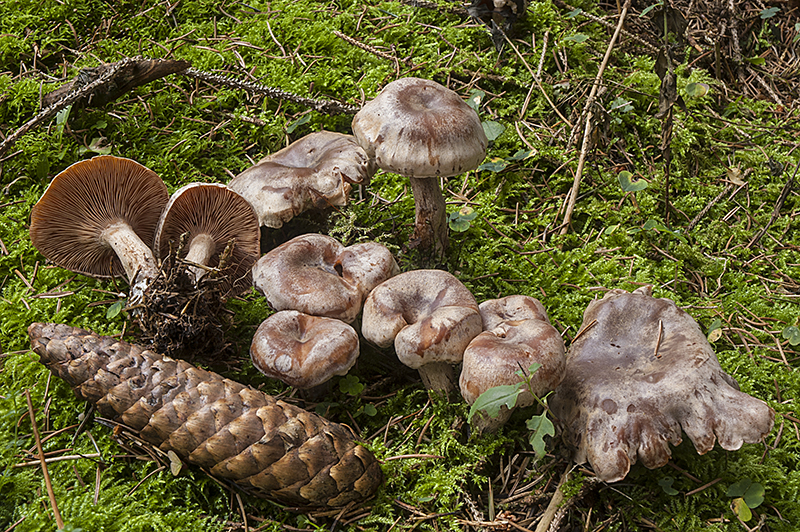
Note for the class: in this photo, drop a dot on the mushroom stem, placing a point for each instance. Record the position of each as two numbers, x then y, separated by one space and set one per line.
201 248
438 377
136 257
482 423
430 228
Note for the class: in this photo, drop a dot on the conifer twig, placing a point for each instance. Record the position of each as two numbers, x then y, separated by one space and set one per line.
573 195
47 483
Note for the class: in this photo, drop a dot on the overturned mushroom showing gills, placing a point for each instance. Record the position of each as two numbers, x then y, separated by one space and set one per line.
212 216
638 372
422 130
517 334
430 316
303 351
315 274
314 172
267 447
98 218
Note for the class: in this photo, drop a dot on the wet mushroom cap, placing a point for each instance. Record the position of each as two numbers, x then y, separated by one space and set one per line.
218 215
317 275
314 172
517 333
429 315
302 350
639 371
86 200
419 128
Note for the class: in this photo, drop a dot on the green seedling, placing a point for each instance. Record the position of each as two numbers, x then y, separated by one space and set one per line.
792 334
747 496
459 220
631 185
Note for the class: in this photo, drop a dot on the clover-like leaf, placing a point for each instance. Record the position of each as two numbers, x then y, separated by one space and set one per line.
666 485
792 334
540 426
629 185
754 495
740 508
351 385
459 221
714 331
494 398
769 12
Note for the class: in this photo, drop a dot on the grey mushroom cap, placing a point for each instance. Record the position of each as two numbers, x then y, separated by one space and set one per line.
314 172
419 128
212 216
317 275
302 350
639 372
98 217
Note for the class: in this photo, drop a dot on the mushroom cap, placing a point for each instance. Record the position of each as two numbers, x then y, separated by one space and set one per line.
313 172
317 275
84 200
428 314
517 334
302 350
214 210
419 128
639 371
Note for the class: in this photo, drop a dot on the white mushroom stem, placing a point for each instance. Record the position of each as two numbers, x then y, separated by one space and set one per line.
201 248
482 423
438 377
430 214
136 257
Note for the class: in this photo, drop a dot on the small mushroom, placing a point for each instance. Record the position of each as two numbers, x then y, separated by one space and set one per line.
212 216
430 316
517 334
640 370
303 351
313 172
98 218
317 275
419 129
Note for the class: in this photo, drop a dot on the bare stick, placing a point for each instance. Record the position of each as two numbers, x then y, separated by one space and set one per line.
47 483
550 512
573 196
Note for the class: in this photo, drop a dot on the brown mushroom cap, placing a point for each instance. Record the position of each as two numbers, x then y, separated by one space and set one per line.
212 215
317 275
313 172
638 372
419 128
517 333
429 315
93 205
302 350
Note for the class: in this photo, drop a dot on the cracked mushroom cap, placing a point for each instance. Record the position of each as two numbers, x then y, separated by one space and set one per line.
91 199
517 333
419 128
302 350
317 275
429 315
314 172
212 216
638 372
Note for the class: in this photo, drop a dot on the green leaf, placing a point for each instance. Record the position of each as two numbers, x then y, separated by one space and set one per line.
299 122
493 399
114 310
714 331
492 129
620 104
350 385
666 485
792 334
574 13
520 155
697 90
628 185
459 221
740 508
769 12
578 37
650 8
754 495
540 426
370 410
494 165
610 229
475 98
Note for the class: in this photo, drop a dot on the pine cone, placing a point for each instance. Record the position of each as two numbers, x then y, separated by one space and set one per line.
267 447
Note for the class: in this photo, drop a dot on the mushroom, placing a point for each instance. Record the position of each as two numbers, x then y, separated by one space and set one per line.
429 316
303 351
317 275
640 370
98 218
212 216
422 130
313 172
517 334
